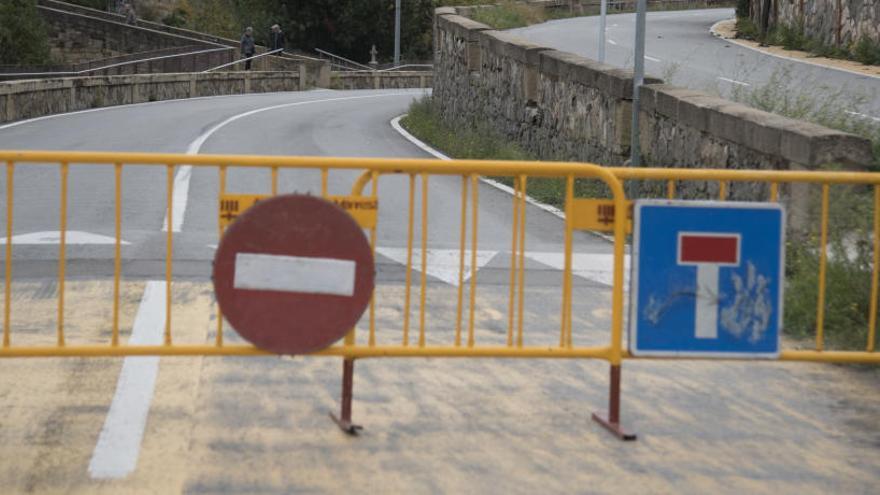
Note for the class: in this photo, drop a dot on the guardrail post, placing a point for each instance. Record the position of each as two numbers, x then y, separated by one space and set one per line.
344 419
302 77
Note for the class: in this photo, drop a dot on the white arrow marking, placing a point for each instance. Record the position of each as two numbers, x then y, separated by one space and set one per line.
441 263
294 274
54 237
594 267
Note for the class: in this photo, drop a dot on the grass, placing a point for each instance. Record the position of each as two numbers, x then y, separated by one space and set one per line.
480 142
849 262
509 14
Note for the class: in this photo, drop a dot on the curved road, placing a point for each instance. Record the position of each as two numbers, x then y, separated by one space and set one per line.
681 50
259 425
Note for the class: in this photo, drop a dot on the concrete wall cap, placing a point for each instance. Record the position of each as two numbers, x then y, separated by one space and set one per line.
509 45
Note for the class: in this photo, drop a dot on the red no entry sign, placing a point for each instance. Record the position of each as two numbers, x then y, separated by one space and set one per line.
293 274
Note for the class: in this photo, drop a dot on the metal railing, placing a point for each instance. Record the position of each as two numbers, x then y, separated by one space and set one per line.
112 66
466 338
246 59
520 172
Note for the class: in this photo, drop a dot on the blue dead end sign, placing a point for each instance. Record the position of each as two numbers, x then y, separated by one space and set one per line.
707 279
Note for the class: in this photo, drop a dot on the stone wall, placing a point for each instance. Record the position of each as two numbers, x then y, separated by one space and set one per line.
38 97
75 38
381 80
79 34
561 106
35 98
839 23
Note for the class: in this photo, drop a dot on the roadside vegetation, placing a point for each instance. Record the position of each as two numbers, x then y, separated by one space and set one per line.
850 244
792 37
509 14
23 38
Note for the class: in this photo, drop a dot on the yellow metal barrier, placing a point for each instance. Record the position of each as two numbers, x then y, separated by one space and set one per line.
461 344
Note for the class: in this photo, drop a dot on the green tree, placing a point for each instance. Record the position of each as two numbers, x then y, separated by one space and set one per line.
23 38
345 27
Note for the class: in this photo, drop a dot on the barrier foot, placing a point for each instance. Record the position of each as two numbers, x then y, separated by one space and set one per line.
343 421
611 422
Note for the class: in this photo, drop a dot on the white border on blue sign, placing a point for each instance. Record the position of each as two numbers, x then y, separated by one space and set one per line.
632 330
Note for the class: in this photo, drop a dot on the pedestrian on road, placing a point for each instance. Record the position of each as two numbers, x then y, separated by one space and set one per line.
276 38
248 47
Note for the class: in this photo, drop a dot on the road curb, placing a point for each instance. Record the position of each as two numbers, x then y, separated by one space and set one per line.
395 123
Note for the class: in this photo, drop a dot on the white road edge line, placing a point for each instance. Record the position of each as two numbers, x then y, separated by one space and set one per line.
612 42
714 31
733 81
119 443
184 173
652 59
395 123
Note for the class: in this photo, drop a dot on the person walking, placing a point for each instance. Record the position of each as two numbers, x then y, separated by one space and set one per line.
276 38
248 47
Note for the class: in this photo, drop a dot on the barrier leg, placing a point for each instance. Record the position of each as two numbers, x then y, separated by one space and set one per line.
344 419
612 421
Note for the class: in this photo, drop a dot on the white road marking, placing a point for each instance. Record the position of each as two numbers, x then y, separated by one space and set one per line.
395 123
652 59
54 237
441 263
119 444
864 116
596 267
331 276
733 81
612 42
184 173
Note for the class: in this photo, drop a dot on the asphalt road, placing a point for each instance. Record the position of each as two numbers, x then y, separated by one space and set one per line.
681 50
317 123
259 425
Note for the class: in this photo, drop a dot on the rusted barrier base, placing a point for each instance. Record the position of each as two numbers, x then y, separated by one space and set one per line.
344 420
612 421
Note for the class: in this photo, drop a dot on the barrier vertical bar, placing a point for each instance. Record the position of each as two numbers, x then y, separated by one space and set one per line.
344 419
424 283
475 196
462 246
220 192
324 180
722 190
872 317
375 195
565 331
514 239
7 293
823 252
522 251
117 257
168 253
670 189
409 249
62 252
612 421
774 191
274 181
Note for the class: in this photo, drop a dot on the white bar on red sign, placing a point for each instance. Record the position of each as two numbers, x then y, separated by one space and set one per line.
294 274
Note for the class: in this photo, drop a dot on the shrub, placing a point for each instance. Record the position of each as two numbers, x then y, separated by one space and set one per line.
867 51
23 38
